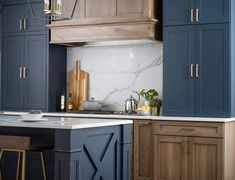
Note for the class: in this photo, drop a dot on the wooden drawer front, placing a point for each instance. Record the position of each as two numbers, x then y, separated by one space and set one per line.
189 129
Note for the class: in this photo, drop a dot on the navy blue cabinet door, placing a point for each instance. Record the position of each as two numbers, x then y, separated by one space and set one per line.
12 15
12 88
178 85
216 11
181 12
35 63
212 85
33 24
177 12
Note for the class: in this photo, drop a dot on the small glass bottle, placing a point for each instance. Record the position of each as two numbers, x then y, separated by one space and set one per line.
62 102
70 103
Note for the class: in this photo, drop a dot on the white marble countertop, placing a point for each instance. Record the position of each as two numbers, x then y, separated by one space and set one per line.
60 122
129 117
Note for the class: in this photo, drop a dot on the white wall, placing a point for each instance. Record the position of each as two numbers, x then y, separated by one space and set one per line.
117 70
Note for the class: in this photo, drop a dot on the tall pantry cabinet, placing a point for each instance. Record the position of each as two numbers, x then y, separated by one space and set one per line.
33 72
198 58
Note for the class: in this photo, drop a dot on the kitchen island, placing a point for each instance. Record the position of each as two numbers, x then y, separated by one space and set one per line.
82 148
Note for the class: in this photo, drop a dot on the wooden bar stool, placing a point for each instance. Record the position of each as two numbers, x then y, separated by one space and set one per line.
21 145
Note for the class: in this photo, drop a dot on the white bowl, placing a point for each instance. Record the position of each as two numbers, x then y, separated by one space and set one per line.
31 116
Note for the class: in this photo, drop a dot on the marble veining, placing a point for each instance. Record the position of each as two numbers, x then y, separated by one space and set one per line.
115 71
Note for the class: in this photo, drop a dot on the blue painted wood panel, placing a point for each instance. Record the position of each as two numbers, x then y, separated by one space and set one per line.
12 87
33 24
212 55
11 17
177 12
217 11
178 86
35 61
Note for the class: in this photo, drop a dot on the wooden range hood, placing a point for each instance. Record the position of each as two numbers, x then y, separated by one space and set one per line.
109 20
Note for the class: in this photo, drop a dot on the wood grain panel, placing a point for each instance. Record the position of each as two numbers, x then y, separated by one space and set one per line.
100 8
170 158
143 157
134 7
189 128
205 159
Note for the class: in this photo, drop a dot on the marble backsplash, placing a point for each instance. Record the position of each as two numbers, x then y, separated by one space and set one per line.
116 70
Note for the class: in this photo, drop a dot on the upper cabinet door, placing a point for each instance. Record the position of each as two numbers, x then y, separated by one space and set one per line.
13 16
212 54
35 81
31 23
216 11
13 54
178 12
178 71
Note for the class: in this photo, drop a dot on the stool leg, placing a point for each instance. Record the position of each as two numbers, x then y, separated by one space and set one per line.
1 152
18 166
43 166
23 165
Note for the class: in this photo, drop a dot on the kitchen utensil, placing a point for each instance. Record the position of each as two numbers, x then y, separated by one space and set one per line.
131 104
78 86
31 116
92 105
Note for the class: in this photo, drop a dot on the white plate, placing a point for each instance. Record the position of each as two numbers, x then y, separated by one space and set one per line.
34 120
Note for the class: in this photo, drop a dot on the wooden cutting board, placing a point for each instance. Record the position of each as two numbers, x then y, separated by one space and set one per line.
78 86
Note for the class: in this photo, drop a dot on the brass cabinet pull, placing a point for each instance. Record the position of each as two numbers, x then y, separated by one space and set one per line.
191 70
24 72
197 15
197 70
21 72
192 15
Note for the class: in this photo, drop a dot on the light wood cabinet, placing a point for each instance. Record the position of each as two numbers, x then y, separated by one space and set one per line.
171 156
174 150
143 150
105 20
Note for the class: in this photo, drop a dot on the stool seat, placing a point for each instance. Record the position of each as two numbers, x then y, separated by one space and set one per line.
20 142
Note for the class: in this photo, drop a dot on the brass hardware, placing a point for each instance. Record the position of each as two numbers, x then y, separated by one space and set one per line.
197 15
197 70
43 166
18 166
191 70
23 168
192 15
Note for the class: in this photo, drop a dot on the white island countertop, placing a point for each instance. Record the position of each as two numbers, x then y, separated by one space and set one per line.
120 118
60 122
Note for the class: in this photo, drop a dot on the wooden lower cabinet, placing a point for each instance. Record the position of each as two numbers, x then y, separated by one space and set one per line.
168 150
143 150
184 158
170 162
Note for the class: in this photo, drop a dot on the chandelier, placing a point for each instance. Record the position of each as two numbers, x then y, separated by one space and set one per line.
53 10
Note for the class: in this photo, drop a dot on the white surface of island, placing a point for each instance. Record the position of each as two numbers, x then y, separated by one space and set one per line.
114 117
60 122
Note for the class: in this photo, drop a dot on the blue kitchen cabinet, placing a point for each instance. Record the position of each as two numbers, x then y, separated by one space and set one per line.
35 63
212 59
34 72
196 70
17 18
12 88
178 12
179 55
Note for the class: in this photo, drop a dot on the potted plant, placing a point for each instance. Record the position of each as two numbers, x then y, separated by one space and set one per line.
151 99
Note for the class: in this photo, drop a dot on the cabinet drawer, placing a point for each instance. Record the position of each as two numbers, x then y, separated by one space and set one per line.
189 129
